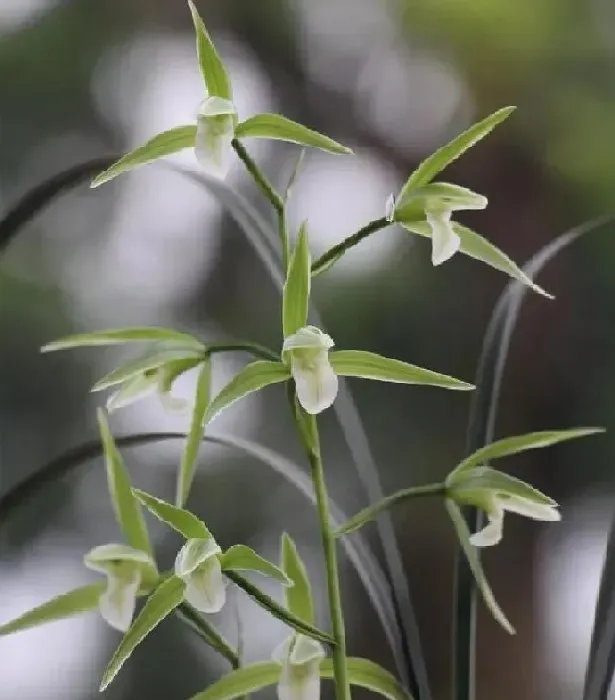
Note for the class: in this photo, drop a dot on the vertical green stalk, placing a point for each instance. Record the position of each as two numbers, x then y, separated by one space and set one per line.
309 431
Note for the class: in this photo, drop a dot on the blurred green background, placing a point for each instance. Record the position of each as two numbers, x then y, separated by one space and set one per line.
393 80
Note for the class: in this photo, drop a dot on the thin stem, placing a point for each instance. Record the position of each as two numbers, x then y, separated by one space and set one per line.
312 445
258 175
208 633
371 512
253 348
338 250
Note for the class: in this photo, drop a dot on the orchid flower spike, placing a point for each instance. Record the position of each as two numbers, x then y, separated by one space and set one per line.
198 565
316 383
300 657
215 130
495 493
129 571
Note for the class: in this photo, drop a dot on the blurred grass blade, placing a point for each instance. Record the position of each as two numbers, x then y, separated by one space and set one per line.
193 441
62 607
161 603
41 196
481 425
183 521
362 558
299 598
127 508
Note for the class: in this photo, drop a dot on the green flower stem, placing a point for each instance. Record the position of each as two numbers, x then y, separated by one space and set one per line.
253 348
312 445
259 177
268 190
338 250
371 512
190 617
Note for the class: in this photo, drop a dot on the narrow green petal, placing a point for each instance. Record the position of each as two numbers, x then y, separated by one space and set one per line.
69 604
127 508
214 73
164 144
369 365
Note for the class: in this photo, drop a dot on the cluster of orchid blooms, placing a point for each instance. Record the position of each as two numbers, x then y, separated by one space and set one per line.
311 367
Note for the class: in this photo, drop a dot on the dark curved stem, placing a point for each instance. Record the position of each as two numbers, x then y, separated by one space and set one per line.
264 184
207 632
253 348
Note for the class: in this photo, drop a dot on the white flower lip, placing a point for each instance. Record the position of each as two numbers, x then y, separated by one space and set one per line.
300 658
215 130
126 569
315 380
198 565
495 502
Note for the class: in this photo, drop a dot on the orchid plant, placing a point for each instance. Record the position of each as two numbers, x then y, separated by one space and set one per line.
309 364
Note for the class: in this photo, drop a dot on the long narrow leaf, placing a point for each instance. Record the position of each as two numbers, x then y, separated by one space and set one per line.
296 293
299 598
183 521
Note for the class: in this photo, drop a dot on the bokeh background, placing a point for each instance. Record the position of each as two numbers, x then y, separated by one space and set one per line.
393 80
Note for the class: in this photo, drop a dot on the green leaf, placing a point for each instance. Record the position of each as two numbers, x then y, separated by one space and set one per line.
368 365
367 674
161 603
214 73
436 194
164 144
253 377
479 248
242 558
145 363
516 444
275 126
372 512
277 610
193 441
185 522
117 336
444 156
127 509
64 606
299 599
473 559
361 672
296 294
